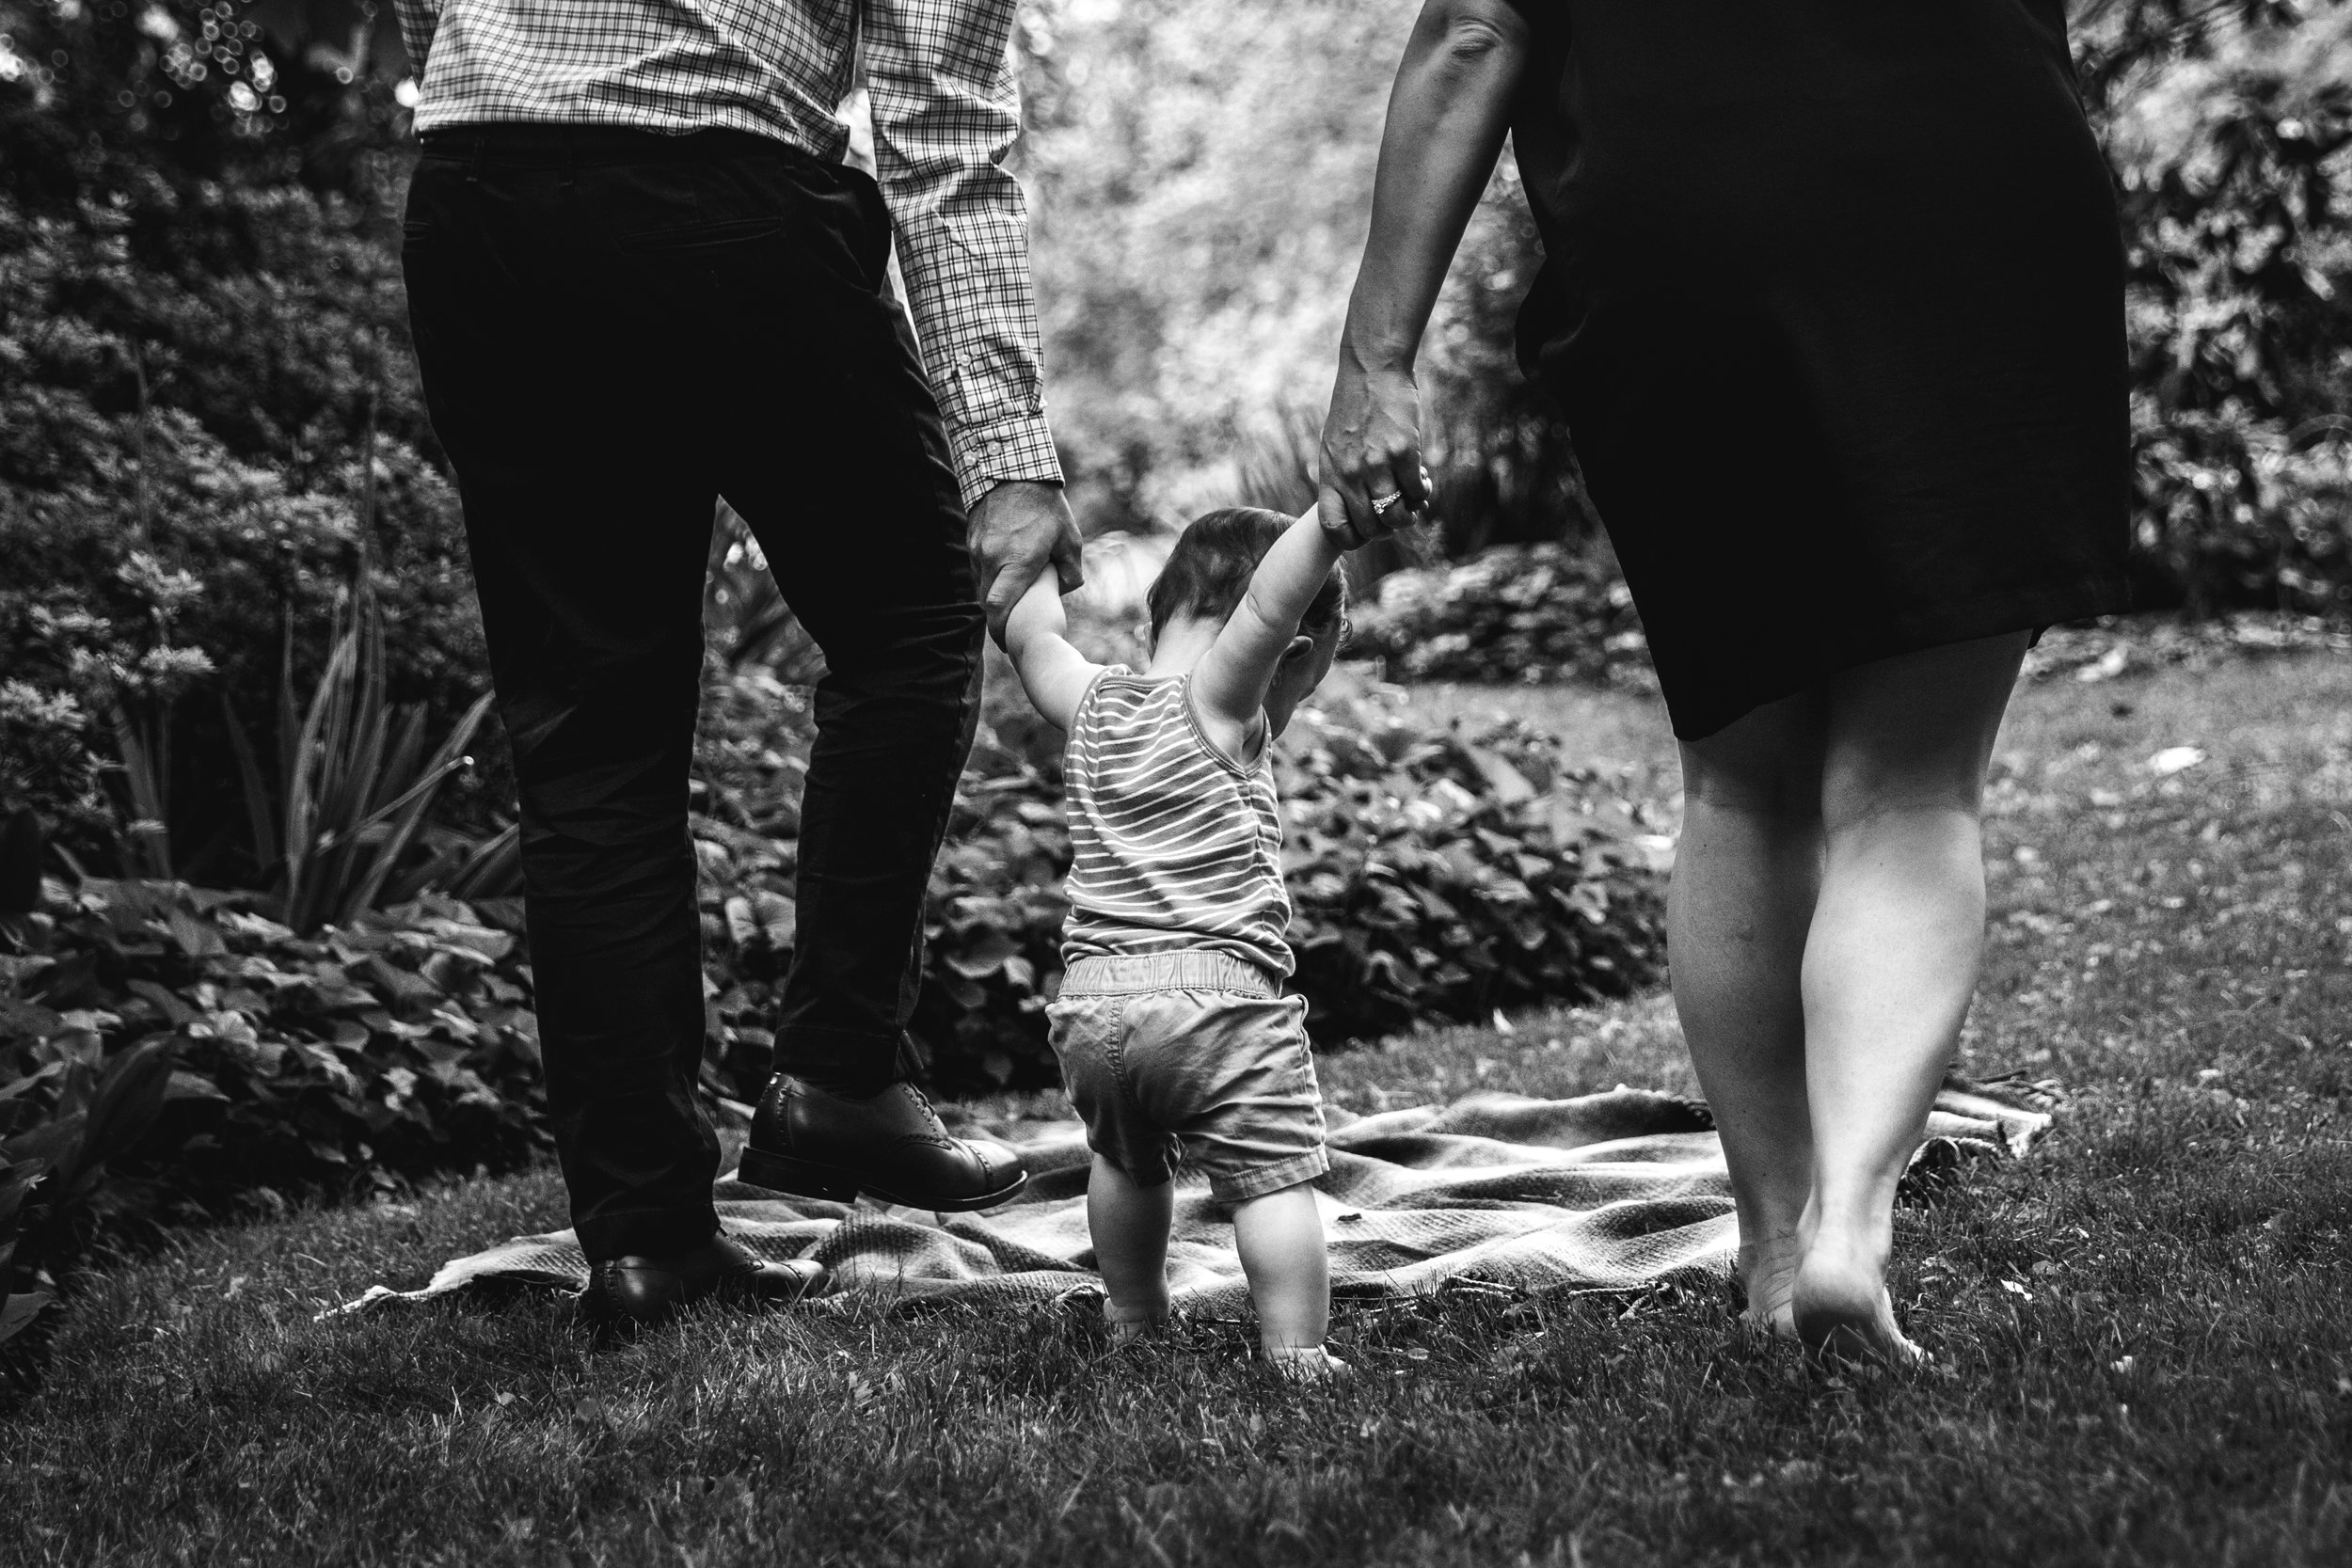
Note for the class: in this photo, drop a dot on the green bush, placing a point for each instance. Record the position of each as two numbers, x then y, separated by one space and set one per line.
183 489
1518 614
66 1110
2235 511
206 393
2229 129
167 1054
353 783
399 1045
1439 875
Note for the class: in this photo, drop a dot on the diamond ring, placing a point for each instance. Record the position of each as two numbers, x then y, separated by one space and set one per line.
1380 504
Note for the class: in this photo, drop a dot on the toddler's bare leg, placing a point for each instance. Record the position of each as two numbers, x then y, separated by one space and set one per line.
1281 1244
1129 1225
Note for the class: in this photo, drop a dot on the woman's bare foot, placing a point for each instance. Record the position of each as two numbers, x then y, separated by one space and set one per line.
1768 1271
1304 1363
1840 1309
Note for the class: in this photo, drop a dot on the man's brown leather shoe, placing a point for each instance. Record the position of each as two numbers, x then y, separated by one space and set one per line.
809 1141
637 1292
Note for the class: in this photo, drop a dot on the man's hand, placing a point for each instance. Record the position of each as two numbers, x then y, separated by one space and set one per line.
1018 529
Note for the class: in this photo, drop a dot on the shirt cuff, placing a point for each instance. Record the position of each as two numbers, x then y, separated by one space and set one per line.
1016 448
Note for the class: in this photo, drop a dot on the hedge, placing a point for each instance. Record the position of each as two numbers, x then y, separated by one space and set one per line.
1518 614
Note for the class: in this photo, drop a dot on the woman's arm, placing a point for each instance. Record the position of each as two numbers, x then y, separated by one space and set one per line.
1447 118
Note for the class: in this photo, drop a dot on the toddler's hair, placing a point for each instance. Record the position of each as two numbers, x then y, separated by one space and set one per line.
1208 572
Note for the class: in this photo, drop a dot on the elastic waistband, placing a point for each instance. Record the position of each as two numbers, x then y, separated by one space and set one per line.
523 142
1178 970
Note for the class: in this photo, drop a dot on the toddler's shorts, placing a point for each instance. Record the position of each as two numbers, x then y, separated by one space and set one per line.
1192 1058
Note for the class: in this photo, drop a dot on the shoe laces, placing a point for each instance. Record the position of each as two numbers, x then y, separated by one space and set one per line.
923 1103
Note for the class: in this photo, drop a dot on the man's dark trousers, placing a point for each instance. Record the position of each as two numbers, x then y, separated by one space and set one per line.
616 328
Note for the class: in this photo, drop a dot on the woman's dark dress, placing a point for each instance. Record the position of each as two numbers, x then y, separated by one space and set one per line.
1834 300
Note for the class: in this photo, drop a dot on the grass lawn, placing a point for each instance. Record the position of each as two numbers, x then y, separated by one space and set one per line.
2144 1332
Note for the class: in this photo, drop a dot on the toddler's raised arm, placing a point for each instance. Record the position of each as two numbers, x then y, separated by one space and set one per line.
1232 677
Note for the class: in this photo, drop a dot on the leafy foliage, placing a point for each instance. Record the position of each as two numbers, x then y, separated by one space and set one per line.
154 556
1517 614
2227 133
65 1112
401 1044
354 782
166 1052
2236 510
2230 131
196 90
1442 874
208 411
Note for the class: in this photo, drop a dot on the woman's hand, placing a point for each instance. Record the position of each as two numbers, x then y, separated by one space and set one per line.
1446 122
1373 480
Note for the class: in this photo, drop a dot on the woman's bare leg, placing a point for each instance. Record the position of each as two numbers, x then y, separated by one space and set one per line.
1737 914
1891 961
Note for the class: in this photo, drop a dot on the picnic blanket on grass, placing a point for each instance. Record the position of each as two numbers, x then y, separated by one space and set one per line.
1604 1191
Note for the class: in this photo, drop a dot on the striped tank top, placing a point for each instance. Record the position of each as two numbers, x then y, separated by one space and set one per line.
1174 845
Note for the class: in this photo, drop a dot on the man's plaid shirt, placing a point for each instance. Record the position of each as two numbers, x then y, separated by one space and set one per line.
945 110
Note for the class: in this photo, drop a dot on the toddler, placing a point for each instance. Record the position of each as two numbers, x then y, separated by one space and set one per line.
1175 1039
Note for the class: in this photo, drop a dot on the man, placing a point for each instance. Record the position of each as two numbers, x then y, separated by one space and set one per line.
640 278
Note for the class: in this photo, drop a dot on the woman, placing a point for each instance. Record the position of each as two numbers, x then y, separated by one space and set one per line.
1833 302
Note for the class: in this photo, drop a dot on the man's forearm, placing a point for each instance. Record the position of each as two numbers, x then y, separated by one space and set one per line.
977 317
947 112
1447 118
